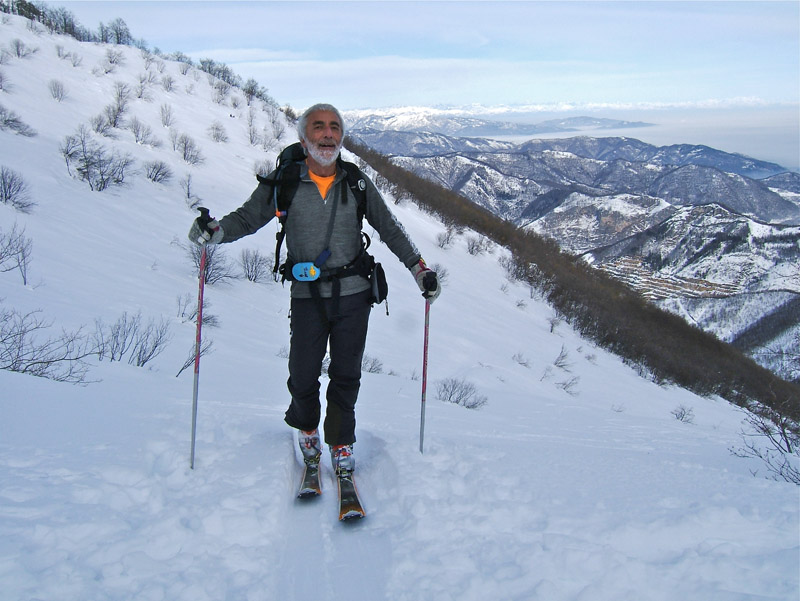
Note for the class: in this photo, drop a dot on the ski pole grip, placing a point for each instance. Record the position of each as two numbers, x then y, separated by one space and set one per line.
205 215
429 282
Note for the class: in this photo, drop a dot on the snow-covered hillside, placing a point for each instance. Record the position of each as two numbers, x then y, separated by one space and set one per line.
575 481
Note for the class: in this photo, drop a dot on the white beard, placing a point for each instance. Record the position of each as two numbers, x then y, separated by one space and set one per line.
326 157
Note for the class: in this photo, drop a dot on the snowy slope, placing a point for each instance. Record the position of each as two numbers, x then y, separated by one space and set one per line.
573 482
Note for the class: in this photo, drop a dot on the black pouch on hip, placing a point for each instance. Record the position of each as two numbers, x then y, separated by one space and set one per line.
380 289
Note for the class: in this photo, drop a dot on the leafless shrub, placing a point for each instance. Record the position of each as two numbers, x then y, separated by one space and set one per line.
114 341
216 132
115 57
276 120
158 172
4 84
187 311
187 148
192 200
255 266
93 163
14 190
149 58
146 81
168 83
460 392
221 90
128 336
23 350
522 360
218 269
268 141
205 348
253 136
143 133
477 245
11 121
683 414
150 343
115 111
262 167
57 90
371 365
570 385
773 438
167 116
444 239
18 49
15 252
562 361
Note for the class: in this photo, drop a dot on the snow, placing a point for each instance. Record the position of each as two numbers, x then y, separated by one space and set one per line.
571 483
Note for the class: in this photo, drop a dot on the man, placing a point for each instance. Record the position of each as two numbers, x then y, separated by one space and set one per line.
323 230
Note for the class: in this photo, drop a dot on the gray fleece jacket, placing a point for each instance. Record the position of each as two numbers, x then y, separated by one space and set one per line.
307 228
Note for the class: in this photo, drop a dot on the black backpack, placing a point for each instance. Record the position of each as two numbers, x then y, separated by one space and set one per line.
286 179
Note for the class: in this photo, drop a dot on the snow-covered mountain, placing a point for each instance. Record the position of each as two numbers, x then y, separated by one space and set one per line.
578 479
674 222
464 123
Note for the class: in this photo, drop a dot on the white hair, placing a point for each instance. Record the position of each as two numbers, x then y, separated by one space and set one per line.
302 122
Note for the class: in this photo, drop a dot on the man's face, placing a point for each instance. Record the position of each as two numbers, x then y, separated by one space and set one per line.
323 137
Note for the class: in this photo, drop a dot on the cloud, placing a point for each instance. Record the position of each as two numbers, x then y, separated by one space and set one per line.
402 80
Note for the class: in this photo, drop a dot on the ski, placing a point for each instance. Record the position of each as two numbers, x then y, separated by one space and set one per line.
350 507
310 485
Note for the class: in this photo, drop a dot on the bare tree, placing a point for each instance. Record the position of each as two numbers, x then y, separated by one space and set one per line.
205 348
150 342
57 90
460 392
167 116
562 361
14 190
217 268
216 132
158 172
15 252
255 266
10 120
23 350
774 439
192 200
19 49
118 33
187 148
93 163
683 414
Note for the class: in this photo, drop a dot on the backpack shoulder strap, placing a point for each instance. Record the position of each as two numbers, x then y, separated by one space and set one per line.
284 184
357 182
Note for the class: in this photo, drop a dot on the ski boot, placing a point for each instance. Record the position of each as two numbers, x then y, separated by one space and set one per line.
342 460
310 446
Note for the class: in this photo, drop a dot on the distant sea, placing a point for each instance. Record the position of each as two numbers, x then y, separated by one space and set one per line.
763 133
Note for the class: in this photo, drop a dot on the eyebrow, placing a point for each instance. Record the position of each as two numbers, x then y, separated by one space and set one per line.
323 122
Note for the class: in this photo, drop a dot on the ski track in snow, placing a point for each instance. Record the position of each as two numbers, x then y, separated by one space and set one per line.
104 520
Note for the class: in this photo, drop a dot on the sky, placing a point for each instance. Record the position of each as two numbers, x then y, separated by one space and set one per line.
548 55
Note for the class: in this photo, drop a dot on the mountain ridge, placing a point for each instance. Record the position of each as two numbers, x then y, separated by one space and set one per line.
598 196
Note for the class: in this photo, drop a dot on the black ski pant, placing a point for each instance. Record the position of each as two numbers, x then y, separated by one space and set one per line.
310 334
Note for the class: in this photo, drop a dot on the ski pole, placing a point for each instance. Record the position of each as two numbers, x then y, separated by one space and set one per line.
202 278
424 376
